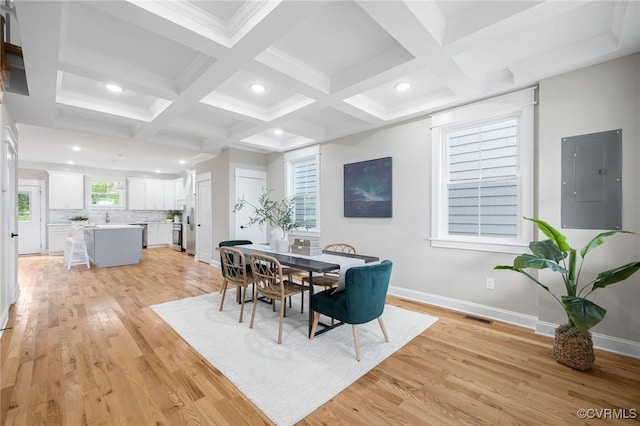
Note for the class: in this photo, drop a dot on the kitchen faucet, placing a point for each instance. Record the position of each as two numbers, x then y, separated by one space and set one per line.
106 219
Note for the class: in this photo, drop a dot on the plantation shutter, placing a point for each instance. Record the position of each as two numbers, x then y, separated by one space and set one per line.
305 182
483 180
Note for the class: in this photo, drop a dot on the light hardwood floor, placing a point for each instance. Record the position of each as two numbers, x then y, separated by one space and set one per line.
83 347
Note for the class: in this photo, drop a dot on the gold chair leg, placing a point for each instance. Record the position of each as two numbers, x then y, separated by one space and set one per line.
356 340
384 330
253 311
223 290
314 326
283 306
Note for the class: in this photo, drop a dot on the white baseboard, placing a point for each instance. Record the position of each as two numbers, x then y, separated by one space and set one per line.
600 341
4 319
510 317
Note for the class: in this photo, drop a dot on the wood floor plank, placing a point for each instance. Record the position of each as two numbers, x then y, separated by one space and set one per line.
84 347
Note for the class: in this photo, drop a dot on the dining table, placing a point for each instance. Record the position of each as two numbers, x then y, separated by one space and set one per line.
326 262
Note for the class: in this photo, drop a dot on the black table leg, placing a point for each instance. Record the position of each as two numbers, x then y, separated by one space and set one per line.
310 302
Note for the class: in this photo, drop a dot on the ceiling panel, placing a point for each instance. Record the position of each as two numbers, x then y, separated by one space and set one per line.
330 68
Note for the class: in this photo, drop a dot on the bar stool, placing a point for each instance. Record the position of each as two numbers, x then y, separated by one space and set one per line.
75 252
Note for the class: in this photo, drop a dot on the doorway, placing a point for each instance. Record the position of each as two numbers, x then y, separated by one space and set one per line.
203 218
250 184
30 213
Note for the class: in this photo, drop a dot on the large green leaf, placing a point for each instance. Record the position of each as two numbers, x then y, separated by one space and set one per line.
547 250
570 282
533 261
551 232
583 313
531 277
598 240
615 275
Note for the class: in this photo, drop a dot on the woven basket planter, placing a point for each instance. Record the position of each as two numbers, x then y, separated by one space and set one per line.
573 348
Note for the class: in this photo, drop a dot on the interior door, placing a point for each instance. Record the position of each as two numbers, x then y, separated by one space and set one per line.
203 218
29 224
250 186
9 291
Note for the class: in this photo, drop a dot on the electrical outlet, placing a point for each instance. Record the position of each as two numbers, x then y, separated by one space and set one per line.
491 284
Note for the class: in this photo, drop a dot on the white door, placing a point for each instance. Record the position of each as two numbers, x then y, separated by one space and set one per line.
10 232
203 218
250 185
29 224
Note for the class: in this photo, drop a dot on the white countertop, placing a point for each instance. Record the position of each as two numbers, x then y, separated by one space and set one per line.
114 226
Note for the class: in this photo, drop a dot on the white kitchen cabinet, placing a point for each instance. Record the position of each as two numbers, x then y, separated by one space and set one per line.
58 235
154 195
151 194
164 231
169 195
180 195
66 190
158 234
136 194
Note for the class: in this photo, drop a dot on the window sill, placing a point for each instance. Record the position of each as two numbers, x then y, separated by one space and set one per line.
490 246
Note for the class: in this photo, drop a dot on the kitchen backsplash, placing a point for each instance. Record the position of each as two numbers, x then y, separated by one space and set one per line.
115 216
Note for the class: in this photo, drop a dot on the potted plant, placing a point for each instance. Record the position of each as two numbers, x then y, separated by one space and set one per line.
278 214
572 345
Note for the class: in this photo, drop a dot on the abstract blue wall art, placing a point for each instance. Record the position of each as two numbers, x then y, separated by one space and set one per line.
367 188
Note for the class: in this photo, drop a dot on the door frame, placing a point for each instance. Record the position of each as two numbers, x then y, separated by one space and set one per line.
9 217
43 209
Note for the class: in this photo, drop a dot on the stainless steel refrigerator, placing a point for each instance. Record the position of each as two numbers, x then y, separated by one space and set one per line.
189 231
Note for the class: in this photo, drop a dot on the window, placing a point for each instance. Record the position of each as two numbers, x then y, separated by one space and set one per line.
106 193
302 184
24 207
483 174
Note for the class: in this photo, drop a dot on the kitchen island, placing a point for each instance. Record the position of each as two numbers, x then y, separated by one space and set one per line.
114 245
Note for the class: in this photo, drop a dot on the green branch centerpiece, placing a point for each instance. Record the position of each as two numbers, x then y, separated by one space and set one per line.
572 344
280 215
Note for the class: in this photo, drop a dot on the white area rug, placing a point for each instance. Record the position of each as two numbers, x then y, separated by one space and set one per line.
288 381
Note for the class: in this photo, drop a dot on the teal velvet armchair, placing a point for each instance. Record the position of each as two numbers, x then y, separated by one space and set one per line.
361 301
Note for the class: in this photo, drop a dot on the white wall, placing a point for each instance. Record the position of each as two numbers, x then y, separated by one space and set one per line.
595 99
450 273
222 170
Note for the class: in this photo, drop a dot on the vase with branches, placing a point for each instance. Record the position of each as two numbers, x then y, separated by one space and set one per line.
277 214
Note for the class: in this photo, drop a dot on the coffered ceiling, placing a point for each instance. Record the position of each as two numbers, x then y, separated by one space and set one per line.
328 69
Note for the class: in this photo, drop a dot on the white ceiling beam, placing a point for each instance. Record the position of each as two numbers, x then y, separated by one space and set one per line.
265 33
401 23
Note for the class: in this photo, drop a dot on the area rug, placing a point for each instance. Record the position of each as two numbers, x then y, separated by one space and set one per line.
288 381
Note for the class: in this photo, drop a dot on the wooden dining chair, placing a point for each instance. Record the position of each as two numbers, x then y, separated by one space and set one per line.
235 272
269 282
330 279
230 243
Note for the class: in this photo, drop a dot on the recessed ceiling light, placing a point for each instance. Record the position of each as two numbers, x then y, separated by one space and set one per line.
76 148
113 87
278 132
157 171
70 162
258 87
403 87
182 162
